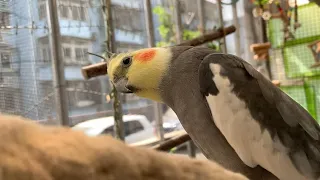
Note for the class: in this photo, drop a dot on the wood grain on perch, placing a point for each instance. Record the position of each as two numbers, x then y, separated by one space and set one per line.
276 83
260 50
209 37
31 151
100 69
173 142
315 49
95 70
260 46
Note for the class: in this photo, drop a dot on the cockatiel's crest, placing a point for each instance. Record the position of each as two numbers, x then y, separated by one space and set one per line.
144 67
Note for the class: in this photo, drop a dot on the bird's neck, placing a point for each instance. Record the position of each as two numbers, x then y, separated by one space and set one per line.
151 94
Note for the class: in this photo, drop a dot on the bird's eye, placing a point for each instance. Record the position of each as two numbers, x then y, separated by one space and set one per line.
126 61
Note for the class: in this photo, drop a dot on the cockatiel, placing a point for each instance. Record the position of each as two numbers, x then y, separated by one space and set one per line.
209 90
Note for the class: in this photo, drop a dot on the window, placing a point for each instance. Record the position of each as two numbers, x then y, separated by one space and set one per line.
109 131
81 54
45 55
75 13
4 19
77 92
83 14
85 55
75 50
9 101
43 50
64 11
131 127
42 11
6 60
67 52
79 13
74 10
78 52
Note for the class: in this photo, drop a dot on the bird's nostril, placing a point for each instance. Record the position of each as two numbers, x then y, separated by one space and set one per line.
132 88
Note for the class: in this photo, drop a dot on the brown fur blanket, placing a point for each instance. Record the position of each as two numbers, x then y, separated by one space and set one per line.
30 151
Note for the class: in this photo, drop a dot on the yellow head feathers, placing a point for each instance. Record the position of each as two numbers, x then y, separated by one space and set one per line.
143 70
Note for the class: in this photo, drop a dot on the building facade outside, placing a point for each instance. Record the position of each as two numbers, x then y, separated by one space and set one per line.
26 70
25 44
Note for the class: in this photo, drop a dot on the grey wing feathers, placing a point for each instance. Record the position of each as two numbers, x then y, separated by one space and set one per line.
291 112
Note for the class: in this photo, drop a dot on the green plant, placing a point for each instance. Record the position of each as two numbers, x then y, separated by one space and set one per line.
214 45
260 2
167 29
188 34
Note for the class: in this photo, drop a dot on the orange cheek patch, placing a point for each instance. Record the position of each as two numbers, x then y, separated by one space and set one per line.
146 55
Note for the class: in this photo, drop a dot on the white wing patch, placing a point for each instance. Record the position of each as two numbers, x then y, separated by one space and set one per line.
253 146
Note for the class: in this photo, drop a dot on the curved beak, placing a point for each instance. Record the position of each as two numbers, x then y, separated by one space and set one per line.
121 85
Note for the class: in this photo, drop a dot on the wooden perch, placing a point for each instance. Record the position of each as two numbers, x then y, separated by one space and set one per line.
280 16
260 46
173 142
95 70
100 69
36 152
209 37
315 65
276 83
260 51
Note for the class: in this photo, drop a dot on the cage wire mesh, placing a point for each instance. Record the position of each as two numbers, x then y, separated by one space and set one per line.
83 29
165 12
20 86
26 70
26 75
26 60
295 61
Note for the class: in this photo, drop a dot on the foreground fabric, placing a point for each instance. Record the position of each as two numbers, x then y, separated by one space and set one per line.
30 151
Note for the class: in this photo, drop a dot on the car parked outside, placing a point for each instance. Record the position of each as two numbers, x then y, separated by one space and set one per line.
136 127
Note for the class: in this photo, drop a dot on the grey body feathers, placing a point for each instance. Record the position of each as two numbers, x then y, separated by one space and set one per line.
194 113
275 111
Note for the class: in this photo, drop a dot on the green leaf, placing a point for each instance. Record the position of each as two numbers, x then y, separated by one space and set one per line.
188 34
162 44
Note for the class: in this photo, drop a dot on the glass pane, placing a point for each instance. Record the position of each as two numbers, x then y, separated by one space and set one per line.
132 127
78 52
67 52
5 60
42 11
64 10
83 13
75 13
109 131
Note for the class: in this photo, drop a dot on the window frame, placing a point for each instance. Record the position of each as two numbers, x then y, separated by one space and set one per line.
77 11
45 57
13 102
78 51
69 50
111 133
4 18
64 9
9 53
42 10
128 127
